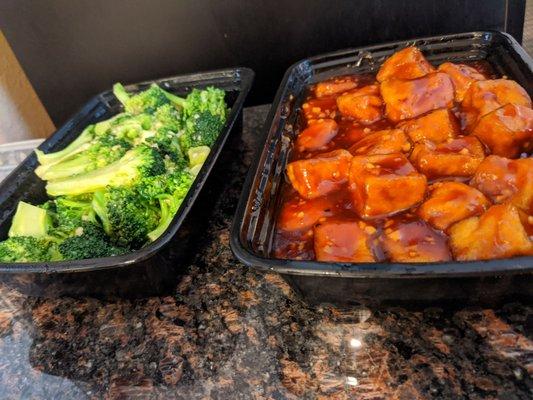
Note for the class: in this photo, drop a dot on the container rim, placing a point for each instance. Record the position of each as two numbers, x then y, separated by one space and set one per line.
246 76
522 264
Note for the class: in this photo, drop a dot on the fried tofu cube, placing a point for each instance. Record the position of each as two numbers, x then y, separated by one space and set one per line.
507 131
414 241
343 241
299 214
408 63
451 202
504 180
485 96
388 141
318 176
498 233
365 104
383 185
436 126
317 135
335 86
405 99
324 107
462 77
457 157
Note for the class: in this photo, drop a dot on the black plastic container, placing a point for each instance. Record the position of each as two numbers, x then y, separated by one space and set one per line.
477 282
155 268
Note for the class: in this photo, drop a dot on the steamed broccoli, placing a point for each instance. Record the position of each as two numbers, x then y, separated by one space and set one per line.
126 216
78 145
30 220
140 162
28 249
146 101
201 129
101 151
90 241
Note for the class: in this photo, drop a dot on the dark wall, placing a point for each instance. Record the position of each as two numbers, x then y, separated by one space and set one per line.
73 49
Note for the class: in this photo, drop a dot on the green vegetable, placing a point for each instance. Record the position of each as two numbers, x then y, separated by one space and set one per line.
89 242
133 166
29 221
28 249
120 183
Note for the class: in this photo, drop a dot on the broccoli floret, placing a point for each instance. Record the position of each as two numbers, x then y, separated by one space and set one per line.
146 101
79 144
201 129
90 241
28 249
72 213
102 151
30 220
170 203
142 161
210 99
126 216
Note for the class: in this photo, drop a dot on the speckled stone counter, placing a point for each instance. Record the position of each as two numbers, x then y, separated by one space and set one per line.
231 333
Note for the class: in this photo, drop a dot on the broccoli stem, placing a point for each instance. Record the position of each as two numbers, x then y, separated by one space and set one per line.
99 205
168 205
120 93
79 144
29 220
67 168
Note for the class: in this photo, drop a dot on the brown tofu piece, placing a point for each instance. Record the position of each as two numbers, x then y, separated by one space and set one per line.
507 131
498 233
298 214
457 157
343 241
405 99
485 96
414 241
408 63
335 86
318 176
462 77
450 202
504 180
365 104
325 107
383 185
317 135
436 126
388 141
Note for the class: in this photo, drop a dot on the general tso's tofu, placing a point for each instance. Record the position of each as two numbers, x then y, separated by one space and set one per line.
388 141
498 233
318 176
507 131
504 180
457 157
365 104
325 107
343 241
383 185
485 96
408 63
317 135
414 241
298 214
450 202
436 126
335 86
462 77
405 99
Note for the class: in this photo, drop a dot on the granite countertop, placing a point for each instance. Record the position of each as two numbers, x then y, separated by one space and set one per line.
229 332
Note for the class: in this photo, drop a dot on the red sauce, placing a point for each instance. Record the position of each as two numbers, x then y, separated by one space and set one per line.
328 219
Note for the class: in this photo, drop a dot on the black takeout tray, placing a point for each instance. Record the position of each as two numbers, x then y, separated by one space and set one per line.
154 269
476 282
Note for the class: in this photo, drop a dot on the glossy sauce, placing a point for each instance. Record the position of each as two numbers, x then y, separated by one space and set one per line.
399 236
